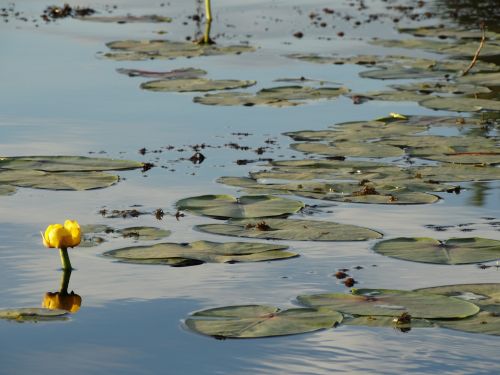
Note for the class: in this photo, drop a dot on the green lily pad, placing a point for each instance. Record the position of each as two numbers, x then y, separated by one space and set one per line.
242 98
67 163
458 173
33 314
461 104
387 321
144 233
164 49
354 149
200 252
401 72
252 321
387 302
486 79
57 181
195 84
486 296
250 206
448 32
94 234
455 49
184 73
393 96
302 92
291 229
7 190
452 251
443 87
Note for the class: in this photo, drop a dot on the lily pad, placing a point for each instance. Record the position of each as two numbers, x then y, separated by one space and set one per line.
452 251
149 18
486 79
144 233
242 98
393 96
184 73
354 149
200 252
291 229
57 181
67 163
458 173
253 321
195 84
401 72
26 314
486 296
165 49
387 302
249 206
302 92
461 104
448 32
7 190
387 321
443 87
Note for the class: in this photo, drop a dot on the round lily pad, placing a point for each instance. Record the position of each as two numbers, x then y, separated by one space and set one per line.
165 49
457 173
452 251
182 73
144 233
200 252
387 321
387 302
486 79
291 229
485 296
195 84
253 321
67 163
301 92
354 149
242 98
401 72
35 179
461 104
249 206
442 87
24 314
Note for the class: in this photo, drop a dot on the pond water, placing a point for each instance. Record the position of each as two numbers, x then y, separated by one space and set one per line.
59 96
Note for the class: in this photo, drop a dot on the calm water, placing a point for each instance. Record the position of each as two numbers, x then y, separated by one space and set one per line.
59 97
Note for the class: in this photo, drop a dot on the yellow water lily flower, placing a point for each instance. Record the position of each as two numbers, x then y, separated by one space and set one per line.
70 302
61 237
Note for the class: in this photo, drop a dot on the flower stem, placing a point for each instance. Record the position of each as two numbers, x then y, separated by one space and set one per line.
66 264
65 281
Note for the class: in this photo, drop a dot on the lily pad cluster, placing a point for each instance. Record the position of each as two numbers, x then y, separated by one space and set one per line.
94 235
471 308
59 172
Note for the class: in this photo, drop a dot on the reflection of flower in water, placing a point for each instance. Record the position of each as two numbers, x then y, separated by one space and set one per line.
61 237
63 300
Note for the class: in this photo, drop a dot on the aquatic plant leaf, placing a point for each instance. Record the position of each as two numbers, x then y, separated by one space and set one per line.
67 163
92 234
57 181
442 87
387 302
486 79
249 206
393 96
429 250
457 173
7 190
461 104
149 18
291 229
355 149
448 32
165 49
26 314
172 74
387 321
201 252
301 92
242 98
401 72
144 233
195 84
253 321
485 296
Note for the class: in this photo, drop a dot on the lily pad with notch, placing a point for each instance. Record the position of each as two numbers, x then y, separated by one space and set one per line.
182 73
291 229
254 321
249 206
389 302
195 84
429 250
198 252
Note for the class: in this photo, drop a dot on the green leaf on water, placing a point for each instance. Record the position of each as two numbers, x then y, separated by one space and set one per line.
201 252
7 190
195 84
33 314
250 206
253 321
144 233
291 229
346 148
461 104
387 302
485 296
429 250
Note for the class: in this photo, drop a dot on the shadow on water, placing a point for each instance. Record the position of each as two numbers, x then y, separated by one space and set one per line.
469 13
